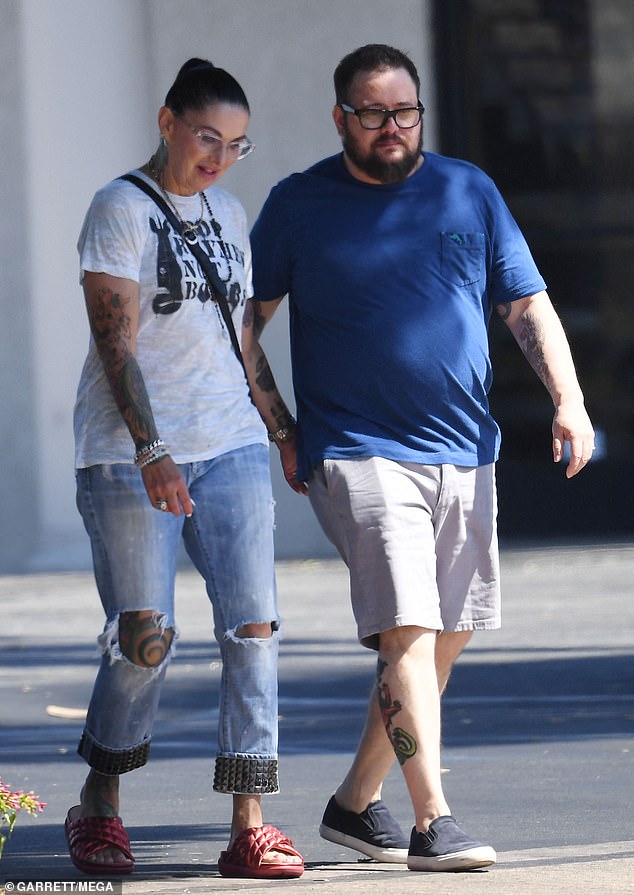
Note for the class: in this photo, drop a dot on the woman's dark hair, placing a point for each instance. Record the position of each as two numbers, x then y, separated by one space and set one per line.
371 57
199 84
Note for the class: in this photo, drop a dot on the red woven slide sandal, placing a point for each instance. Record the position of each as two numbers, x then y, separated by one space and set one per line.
87 836
244 858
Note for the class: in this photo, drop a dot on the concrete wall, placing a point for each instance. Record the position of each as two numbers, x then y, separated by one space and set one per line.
81 83
18 432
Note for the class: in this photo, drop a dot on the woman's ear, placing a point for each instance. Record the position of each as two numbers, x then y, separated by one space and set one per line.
166 120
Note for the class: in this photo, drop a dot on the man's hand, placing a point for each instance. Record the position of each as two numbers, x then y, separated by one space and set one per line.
288 458
572 424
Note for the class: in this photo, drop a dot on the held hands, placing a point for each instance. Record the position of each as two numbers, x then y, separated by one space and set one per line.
166 487
572 424
288 458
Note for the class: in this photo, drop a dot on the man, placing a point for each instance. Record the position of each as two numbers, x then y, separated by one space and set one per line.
393 261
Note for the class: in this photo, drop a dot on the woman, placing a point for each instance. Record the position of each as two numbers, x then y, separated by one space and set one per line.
169 446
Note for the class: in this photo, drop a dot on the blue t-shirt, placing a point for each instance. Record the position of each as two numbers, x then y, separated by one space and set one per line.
391 289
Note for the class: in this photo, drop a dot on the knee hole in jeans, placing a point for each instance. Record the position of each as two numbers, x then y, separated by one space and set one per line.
143 639
255 630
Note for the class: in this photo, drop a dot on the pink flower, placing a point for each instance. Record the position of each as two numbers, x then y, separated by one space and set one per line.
12 802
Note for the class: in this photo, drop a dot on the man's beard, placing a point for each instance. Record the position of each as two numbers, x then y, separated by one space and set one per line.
379 169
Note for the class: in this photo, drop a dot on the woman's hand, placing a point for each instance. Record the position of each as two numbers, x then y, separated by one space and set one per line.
164 482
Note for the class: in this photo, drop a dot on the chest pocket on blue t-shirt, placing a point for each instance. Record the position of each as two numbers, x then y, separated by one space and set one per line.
461 257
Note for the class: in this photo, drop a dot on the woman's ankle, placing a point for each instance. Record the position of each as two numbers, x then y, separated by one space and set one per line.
100 796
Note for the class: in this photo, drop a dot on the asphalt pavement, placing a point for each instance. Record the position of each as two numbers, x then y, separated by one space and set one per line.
538 733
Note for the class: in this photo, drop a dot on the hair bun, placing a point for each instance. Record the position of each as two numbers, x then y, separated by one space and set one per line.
199 84
193 63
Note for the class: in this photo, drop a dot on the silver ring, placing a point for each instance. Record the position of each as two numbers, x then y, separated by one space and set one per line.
161 504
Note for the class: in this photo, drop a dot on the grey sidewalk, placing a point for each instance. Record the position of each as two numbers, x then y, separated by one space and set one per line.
538 743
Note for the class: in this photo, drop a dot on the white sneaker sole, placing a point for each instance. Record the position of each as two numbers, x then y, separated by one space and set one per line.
470 859
384 855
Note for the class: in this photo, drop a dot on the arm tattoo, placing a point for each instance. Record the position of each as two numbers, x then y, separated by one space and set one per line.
134 403
266 383
264 378
247 319
504 310
253 317
259 321
263 375
111 327
531 340
110 323
403 743
281 414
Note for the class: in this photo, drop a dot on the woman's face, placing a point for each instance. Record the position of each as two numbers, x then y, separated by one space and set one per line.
201 144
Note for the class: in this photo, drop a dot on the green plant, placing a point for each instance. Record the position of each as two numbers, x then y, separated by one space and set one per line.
11 803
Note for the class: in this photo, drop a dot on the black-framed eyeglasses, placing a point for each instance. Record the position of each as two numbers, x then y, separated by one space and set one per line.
375 119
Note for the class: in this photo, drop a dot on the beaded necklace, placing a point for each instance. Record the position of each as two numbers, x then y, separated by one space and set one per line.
218 233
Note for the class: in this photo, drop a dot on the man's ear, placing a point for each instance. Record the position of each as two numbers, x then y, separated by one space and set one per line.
338 116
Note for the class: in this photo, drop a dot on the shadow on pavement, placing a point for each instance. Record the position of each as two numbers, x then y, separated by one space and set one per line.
531 696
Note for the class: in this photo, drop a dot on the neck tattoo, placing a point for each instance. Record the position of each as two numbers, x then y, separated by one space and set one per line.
188 228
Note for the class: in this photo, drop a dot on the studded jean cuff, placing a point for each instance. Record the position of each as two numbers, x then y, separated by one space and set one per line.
112 762
245 774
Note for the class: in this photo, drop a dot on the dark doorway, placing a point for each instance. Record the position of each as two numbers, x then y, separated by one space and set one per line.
539 94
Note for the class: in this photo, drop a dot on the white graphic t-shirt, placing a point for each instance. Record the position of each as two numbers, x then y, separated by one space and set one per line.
195 383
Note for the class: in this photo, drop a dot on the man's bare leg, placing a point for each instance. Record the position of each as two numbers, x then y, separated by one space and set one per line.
375 753
409 698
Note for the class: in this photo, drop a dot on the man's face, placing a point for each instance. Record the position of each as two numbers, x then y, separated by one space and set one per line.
391 153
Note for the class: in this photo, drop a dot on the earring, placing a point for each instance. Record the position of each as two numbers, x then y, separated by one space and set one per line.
162 153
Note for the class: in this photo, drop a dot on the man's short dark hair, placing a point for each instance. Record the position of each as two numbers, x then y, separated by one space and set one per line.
371 57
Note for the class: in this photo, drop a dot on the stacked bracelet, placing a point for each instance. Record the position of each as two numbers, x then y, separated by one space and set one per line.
154 457
150 453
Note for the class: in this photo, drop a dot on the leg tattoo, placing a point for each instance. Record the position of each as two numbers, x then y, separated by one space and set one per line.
403 743
141 640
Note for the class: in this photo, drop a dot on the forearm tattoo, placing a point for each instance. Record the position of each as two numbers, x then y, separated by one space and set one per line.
247 318
403 743
259 320
531 340
134 403
264 378
263 375
266 383
111 327
253 317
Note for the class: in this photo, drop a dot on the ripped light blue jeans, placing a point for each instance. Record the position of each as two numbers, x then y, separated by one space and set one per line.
229 538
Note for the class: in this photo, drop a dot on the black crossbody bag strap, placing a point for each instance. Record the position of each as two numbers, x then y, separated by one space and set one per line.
217 286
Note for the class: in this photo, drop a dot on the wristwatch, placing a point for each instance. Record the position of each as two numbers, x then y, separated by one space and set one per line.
284 433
